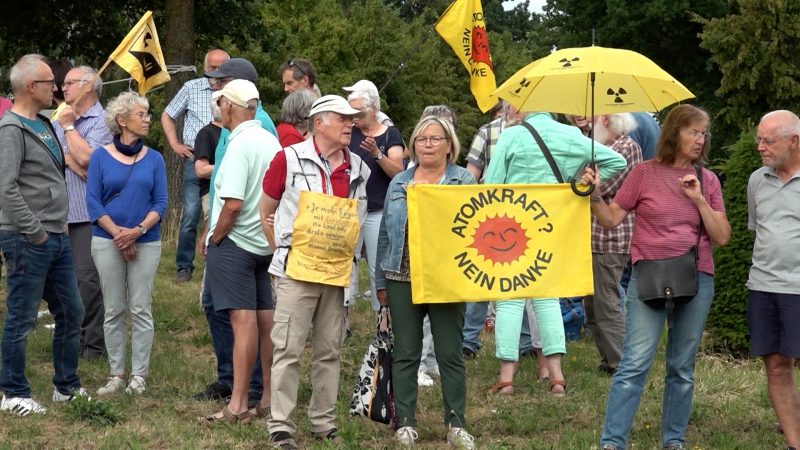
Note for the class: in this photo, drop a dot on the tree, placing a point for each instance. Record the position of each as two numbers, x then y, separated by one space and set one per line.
756 50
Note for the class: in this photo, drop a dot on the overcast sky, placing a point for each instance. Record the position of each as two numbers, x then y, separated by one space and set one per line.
535 5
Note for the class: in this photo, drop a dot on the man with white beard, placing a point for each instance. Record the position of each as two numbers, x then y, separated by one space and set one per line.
611 248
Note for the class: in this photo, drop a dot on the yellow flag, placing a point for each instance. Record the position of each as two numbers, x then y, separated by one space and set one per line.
463 28
140 55
496 242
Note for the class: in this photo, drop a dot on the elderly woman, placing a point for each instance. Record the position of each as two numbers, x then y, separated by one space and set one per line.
435 149
126 194
671 206
381 147
293 127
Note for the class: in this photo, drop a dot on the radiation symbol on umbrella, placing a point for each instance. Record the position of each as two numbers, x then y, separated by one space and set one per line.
500 239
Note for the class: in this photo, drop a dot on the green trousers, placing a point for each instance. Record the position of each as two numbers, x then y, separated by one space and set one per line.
447 322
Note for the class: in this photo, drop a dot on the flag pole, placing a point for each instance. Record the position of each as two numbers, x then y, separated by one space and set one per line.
402 64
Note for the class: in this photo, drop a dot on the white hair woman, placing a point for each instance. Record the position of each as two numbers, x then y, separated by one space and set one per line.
126 194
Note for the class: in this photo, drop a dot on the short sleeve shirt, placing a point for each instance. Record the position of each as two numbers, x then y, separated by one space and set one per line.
204 148
378 181
194 100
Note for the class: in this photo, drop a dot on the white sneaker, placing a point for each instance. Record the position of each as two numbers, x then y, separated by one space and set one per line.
21 406
406 436
423 379
459 438
42 313
58 397
114 385
136 386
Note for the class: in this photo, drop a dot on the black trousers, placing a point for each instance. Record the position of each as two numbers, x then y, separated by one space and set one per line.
92 338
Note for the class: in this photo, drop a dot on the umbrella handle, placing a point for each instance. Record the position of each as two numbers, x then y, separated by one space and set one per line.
574 182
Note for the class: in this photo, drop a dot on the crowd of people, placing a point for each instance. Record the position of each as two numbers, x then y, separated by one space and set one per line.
82 199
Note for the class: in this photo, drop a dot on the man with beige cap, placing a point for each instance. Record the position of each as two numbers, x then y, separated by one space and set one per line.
322 164
238 254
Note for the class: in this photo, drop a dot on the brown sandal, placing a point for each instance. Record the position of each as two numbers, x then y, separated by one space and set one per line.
502 388
260 411
555 383
226 416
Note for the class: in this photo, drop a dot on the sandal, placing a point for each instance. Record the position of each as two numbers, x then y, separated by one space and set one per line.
260 411
502 388
559 393
226 416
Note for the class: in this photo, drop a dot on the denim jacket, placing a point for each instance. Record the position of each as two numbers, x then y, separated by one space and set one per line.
392 234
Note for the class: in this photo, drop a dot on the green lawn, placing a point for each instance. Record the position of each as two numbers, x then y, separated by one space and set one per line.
731 410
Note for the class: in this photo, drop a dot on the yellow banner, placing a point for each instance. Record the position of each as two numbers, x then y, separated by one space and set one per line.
463 28
497 242
324 237
140 55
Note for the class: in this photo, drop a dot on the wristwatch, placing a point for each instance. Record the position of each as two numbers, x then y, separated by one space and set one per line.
69 128
142 229
380 156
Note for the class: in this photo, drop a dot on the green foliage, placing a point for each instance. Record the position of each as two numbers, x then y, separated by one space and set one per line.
726 320
92 411
756 51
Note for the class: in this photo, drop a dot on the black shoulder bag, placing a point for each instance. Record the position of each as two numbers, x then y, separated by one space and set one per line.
661 283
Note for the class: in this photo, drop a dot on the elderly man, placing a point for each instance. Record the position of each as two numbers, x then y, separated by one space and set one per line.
238 255
80 129
774 289
518 159
33 224
303 305
193 102
219 323
611 248
298 73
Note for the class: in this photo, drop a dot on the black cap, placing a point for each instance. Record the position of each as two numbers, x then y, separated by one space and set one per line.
238 68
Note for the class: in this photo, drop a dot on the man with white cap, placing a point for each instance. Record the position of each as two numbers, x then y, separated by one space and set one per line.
238 255
369 86
321 164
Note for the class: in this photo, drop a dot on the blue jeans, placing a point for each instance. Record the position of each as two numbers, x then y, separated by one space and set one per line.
219 326
643 326
474 320
187 232
36 272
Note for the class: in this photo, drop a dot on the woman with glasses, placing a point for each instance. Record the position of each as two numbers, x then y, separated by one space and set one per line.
126 193
672 206
435 149
381 147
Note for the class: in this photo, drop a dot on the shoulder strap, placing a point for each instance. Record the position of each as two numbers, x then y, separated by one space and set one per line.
545 150
302 172
699 171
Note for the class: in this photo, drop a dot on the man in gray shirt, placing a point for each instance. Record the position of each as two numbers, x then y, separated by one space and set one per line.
33 238
774 285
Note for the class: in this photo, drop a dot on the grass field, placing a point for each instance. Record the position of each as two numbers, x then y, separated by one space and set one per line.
731 410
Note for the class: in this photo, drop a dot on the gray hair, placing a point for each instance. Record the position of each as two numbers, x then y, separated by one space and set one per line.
449 131
370 98
622 123
790 123
216 112
24 71
296 107
442 111
88 74
121 105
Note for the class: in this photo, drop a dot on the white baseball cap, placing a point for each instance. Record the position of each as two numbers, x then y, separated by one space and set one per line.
334 103
238 92
362 85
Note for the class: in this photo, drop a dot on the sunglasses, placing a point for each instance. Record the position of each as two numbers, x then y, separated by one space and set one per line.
292 63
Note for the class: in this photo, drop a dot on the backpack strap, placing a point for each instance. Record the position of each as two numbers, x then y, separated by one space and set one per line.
548 156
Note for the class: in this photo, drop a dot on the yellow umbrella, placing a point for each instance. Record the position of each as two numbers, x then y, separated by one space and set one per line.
592 80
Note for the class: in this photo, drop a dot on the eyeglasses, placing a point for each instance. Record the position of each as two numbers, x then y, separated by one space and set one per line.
694 134
142 115
292 63
767 141
434 140
68 83
50 82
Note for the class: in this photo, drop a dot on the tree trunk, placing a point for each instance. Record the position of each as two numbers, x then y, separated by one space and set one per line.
179 46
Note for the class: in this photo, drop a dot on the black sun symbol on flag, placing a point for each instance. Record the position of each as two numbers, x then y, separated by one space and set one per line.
500 239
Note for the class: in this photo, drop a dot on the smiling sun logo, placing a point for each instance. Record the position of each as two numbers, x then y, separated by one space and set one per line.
500 239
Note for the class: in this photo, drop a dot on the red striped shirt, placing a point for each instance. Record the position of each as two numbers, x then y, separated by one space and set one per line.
666 220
